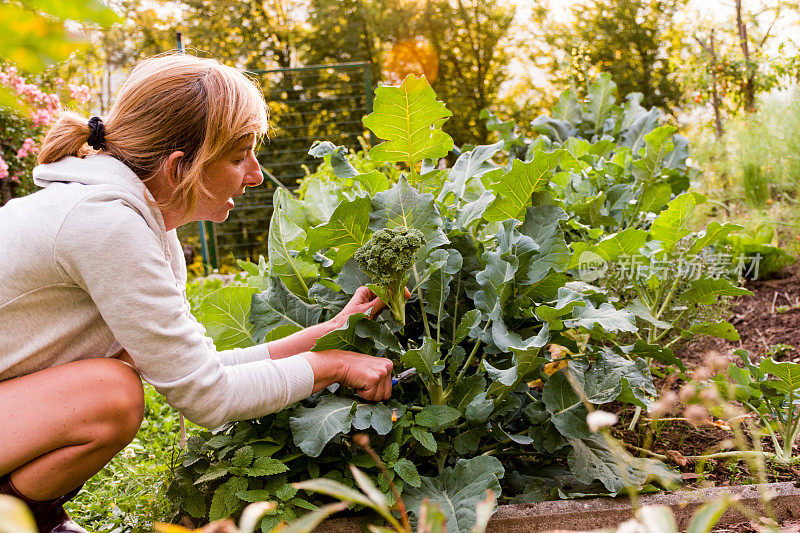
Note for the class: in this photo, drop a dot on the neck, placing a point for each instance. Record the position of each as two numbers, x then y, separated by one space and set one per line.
172 217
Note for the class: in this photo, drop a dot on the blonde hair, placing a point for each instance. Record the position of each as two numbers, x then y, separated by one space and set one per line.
171 102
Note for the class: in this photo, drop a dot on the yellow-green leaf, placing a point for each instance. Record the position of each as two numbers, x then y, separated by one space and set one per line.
410 119
513 191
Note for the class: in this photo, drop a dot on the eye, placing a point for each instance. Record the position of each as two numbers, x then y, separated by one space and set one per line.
241 160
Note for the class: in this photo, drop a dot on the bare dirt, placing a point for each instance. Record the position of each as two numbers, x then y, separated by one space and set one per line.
768 322
768 317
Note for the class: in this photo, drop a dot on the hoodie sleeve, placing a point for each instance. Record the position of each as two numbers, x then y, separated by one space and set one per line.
107 248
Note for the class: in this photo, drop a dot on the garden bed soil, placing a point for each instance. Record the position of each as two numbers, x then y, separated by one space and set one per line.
770 316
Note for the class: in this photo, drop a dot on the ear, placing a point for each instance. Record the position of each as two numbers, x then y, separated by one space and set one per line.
174 168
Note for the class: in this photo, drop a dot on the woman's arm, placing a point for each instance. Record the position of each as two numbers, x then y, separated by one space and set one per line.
371 377
302 341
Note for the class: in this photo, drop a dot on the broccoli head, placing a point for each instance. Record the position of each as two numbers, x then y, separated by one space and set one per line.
386 258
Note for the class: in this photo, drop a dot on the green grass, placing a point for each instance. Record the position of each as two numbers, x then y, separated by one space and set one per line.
128 494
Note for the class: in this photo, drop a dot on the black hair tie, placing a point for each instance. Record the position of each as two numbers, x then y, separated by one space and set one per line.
97 133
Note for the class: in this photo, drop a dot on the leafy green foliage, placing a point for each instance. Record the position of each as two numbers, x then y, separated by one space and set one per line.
498 279
748 244
771 390
410 118
458 490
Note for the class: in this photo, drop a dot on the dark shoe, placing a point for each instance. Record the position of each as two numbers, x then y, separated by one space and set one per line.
50 515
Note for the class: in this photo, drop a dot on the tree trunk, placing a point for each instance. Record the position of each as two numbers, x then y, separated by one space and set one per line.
750 74
711 50
714 92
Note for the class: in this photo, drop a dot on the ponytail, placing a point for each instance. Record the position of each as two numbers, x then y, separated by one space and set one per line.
68 136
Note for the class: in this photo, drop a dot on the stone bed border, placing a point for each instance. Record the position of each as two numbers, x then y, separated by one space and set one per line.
603 513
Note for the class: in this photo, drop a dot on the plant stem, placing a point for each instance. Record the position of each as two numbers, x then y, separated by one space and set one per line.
488 450
455 308
421 303
636 414
672 342
719 455
466 365
668 299
787 434
642 297
677 318
765 423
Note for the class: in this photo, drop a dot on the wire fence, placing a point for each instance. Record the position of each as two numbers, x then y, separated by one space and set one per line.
325 102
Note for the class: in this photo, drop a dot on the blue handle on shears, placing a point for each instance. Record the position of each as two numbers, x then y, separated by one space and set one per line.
402 376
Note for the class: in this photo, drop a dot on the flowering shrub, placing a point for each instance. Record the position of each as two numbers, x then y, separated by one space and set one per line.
21 134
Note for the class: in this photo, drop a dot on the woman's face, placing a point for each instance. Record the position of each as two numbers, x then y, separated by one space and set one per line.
227 178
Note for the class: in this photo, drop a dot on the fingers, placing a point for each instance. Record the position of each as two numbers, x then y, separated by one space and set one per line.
377 306
362 295
370 376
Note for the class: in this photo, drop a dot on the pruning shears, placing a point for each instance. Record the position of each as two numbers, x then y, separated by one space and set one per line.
404 376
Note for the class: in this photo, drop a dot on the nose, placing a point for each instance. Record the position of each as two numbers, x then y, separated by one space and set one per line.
254 177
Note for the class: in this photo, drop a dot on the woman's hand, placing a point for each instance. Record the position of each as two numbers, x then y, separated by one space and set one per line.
370 376
305 339
361 302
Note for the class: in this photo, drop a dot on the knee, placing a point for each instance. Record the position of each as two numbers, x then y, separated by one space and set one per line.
121 402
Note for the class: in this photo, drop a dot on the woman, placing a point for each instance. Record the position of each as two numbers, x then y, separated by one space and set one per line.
92 293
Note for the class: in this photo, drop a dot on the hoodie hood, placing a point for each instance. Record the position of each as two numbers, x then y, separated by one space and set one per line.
109 173
96 169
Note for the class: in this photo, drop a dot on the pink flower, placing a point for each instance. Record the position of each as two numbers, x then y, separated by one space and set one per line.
46 105
3 169
80 93
42 117
14 178
28 147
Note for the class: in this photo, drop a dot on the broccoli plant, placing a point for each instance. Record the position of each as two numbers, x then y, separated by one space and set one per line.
508 342
387 258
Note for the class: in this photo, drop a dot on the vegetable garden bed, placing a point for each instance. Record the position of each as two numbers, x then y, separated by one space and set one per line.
556 275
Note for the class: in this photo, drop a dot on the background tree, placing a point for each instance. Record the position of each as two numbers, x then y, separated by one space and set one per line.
468 37
458 44
633 40
731 63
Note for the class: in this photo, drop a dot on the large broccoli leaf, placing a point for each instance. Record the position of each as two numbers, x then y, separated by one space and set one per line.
457 490
403 206
513 191
312 428
224 315
600 102
278 307
285 240
463 181
594 458
346 229
542 225
673 223
410 118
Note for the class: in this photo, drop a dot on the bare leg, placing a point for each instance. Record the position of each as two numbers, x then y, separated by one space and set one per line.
61 425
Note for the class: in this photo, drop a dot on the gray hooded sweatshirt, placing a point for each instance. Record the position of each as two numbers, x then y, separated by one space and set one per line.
87 269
